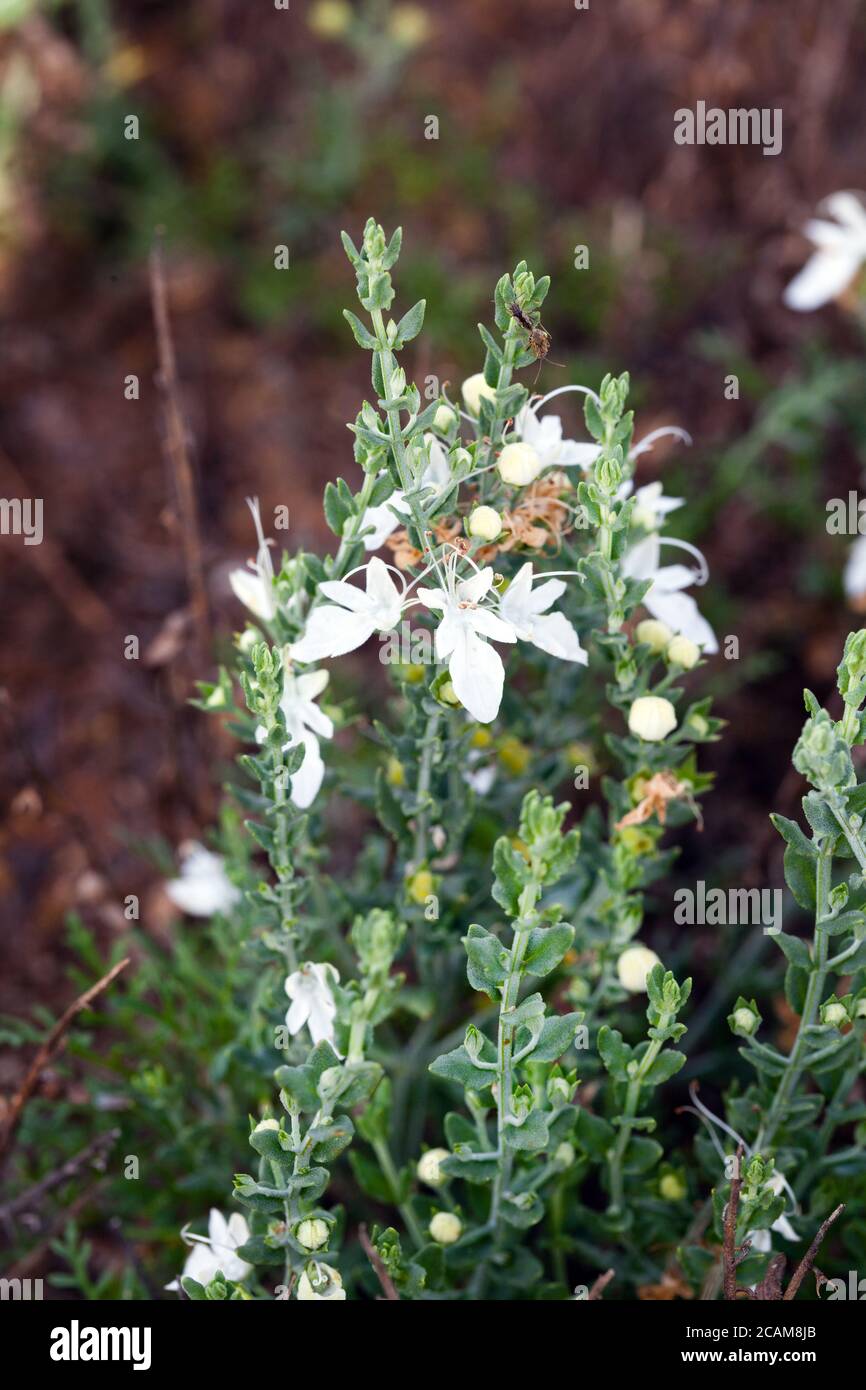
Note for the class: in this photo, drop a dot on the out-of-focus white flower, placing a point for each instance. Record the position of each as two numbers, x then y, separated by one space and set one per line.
216 1251
665 599
525 609
254 586
652 718
352 616
475 667
312 1001
840 250
474 390
324 1284
634 966
203 888
651 504
436 475
304 721
546 438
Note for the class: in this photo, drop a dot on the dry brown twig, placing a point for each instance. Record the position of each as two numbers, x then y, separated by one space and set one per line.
48 1049
378 1264
177 440
599 1286
95 1153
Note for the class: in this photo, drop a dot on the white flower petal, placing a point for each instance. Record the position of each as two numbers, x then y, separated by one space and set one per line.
824 276
308 778
477 675
554 634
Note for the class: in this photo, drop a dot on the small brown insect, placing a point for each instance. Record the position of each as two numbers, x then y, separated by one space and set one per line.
539 338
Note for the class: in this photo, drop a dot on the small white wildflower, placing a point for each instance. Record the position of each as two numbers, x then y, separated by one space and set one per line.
525 609
840 251
216 1251
322 1285
312 1001
203 888
352 616
254 586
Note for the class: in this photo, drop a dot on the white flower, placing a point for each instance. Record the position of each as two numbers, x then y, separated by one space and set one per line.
475 667
474 390
545 437
436 474
325 1284
634 966
484 523
855 572
839 254
665 599
304 721
216 1251
312 1001
525 609
652 718
203 887
353 615
761 1239
255 586
651 504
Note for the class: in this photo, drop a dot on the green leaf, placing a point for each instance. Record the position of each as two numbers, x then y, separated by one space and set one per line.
511 873
666 1065
547 946
411 323
800 878
614 1053
532 1136
594 1135
458 1066
641 1155
557 1034
795 949
485 968
363 337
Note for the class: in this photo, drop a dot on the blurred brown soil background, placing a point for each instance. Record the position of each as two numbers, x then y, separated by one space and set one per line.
556 129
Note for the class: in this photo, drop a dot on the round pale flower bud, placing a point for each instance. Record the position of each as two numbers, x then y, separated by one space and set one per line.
745 1022
519 464
672 1187
474 390
429 1167
564 1155
325 1284
444 419
484 523
448 693
633 967
683 652
266 1124
655 634
445 1228
409 25
652 718
834 1014
312 1234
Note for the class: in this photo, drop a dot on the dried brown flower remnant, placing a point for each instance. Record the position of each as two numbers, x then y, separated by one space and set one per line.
661 788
